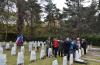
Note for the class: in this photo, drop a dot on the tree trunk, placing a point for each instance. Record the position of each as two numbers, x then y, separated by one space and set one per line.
20 13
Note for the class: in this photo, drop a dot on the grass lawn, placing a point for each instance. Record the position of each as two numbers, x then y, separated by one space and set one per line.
11 60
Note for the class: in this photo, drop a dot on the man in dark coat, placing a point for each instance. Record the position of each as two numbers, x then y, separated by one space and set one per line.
66 47
84 45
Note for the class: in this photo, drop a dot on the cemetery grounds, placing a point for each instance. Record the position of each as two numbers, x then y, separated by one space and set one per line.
92 57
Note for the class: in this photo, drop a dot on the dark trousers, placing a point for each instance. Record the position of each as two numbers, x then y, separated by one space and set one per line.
55 52
60 52
84 51
65 52
47 51
74 54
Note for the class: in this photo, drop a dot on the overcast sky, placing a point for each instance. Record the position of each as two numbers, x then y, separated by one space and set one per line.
61 3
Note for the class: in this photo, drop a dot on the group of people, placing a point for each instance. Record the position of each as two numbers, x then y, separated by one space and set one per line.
65 47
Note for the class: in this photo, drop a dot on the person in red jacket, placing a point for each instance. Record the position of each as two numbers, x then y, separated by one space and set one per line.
55 46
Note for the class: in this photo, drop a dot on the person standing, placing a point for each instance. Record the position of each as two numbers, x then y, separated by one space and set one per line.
19 41
55 46
75 47
48 45
78 41
84 45
66 47
60 49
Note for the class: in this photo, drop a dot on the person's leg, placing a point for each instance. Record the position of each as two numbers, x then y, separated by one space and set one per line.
53 51
74 54
65 53
47 52
56 50
68 56
84 51
59 52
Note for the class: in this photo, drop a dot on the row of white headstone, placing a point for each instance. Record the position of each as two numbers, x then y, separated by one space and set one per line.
78 54
35 44
65 62
31 44
20 57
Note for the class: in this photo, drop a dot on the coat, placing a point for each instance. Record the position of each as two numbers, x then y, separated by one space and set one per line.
55 43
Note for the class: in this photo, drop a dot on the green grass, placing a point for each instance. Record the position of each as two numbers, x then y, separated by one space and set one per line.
11 60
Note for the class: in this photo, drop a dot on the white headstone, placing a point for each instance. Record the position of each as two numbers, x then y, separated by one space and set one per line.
71 59
3 59
20 58
38 43
77 58
76 55
65 60
13 51
22 49
1 50
33 56
55 62
25 43
43 46
10 42
30 46
80 53
7 46
80 60
49 52
33 43
15 46
42 53
88 48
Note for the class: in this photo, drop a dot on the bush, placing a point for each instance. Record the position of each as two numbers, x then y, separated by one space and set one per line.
94 40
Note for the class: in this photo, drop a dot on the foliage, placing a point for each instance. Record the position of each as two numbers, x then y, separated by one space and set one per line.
93 39
75 20
81 19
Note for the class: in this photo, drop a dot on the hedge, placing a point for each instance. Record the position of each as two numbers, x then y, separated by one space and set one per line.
94 40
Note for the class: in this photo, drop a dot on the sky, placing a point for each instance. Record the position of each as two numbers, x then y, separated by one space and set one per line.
61 3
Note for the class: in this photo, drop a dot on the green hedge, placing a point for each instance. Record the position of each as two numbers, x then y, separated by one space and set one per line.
94 40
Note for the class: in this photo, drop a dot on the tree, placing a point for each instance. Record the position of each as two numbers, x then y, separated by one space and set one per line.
53 14
33 10
5 14
81 19
20 13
